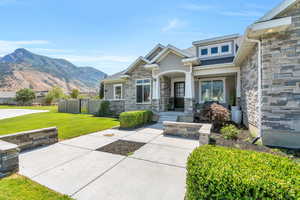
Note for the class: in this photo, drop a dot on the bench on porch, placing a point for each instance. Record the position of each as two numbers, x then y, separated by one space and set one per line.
198 131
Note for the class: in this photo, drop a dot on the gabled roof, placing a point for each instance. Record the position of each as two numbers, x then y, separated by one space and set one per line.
158 46
216 39
277 10
168 49
135 63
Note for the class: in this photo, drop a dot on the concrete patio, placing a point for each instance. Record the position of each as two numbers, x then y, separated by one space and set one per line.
73 167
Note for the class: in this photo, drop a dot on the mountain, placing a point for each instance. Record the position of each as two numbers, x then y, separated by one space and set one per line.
24 69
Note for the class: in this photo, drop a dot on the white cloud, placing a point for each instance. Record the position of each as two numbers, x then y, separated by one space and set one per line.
196 7
96 58
173 24
242 13
7 47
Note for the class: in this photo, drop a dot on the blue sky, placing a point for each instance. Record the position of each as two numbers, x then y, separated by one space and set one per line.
109 35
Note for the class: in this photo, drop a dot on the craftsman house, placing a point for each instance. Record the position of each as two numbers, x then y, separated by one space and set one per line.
258 72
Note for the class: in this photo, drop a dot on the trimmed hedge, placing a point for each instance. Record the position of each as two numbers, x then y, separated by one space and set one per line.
134 119
226 173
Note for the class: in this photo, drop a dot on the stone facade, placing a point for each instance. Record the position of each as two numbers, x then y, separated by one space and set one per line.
117 106
139 72
9 158
32 139
249 90
281 85
165 93
189 105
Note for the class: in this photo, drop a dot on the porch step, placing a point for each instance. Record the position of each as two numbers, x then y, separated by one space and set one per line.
169 116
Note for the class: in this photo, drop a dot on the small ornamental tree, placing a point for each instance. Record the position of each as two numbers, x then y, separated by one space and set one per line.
74 94
25 96
54 94
215 114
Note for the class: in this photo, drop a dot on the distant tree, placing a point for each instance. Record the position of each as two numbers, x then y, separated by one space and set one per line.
101 90
74 94
25 96
54 94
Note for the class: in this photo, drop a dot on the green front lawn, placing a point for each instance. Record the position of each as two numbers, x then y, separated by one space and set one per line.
69 125
17 187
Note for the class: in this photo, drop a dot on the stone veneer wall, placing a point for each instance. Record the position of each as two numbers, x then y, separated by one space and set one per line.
249 91
117 106
9 158
31 139
165 93
130 90
281 85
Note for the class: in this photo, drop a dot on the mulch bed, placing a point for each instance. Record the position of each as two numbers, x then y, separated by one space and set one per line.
243 142
121 147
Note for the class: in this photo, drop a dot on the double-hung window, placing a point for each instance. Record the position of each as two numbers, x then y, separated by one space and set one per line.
117 91
143 91
212 90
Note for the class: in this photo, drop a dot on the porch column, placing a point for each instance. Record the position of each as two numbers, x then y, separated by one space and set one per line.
238 84
189 85
156 88
189 93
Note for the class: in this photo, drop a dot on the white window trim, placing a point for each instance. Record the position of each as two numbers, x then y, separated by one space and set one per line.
219 46
136 84
118 85
213 79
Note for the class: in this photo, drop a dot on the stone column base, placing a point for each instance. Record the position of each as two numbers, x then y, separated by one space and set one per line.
189 105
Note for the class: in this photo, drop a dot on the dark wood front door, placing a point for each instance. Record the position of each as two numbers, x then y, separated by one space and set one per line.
179 91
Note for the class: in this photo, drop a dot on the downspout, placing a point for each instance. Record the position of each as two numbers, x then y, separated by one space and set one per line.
259 86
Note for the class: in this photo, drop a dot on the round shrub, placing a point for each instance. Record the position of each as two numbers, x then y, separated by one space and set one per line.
134 119
230 132
223 173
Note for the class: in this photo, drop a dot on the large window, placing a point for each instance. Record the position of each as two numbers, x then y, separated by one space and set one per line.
212 90
143 91
118 91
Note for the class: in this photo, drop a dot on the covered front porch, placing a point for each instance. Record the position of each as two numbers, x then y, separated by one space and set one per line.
184 91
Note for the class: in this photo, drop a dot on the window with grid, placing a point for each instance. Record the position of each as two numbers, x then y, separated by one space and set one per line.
143 90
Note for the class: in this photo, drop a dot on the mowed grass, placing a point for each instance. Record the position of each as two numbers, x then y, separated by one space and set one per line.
69 125
17 187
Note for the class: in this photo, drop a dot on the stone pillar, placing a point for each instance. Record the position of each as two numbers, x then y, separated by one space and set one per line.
9 158
189 105
155 105
165 93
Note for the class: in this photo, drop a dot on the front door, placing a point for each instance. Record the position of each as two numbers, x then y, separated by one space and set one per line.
179 91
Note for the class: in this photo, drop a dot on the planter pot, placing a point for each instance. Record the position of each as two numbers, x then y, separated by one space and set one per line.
235 107
236 116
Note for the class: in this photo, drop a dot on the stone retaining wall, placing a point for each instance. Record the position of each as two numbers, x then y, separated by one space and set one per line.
9 158
31 139
196 131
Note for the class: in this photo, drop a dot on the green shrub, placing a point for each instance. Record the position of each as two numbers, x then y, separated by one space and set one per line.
230 132
104 109
223 173
134 119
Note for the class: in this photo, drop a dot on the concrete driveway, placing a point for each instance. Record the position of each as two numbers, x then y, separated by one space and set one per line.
9 113
74 167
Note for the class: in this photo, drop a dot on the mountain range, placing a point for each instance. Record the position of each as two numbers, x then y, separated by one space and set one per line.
24 69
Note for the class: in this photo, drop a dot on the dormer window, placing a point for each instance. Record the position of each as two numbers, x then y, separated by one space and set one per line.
204 52
214 50
225 48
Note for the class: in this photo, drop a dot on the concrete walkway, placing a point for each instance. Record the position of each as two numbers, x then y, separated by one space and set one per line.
9 113
73 167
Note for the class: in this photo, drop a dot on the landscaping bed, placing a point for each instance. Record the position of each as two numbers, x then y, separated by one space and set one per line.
122 147
244 141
